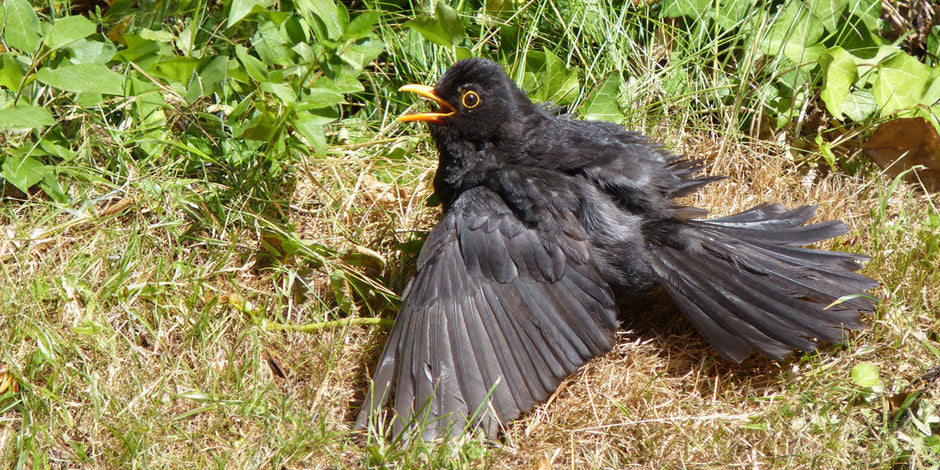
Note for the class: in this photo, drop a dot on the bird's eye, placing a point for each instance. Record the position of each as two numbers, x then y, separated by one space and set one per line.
471 99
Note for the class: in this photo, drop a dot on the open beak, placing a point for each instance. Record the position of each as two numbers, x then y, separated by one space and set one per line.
446 110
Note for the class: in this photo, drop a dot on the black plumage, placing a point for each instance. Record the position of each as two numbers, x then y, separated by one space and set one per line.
548 223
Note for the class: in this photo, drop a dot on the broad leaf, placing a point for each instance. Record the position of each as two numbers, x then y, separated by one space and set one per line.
83 78
68 30
430 29
25 117
22 26
23 172
792 32
689 8
91 52
839 74
604 103
242 8
362 24
859 105
900 84
450 22
865 374
11 72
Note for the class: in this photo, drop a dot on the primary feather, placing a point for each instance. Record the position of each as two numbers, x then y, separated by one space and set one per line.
548 222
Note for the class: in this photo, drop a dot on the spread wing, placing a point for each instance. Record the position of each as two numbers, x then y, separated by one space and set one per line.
497 315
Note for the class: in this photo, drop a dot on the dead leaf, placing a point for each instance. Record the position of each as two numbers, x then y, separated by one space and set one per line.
6 380
901 144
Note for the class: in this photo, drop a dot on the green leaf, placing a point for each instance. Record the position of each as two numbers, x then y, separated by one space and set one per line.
83 78
362 24
689 8
310 126
839 74
11 72
283 92
430 29
869 11
260 127
25 117
271 44
84 51
176 69
68 30
328 15
242 8
23 172
212 75
731 13
859 105
450 22
445 29
900 84
791 32
604 103
829 12
362 52
256 69
865 374
549 79
318 97
22 26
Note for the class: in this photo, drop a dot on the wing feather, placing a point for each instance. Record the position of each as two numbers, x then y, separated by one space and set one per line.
498 314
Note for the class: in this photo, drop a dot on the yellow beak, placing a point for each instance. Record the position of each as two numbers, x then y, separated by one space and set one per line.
446 110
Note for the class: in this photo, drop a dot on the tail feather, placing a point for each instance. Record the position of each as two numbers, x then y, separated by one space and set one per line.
747 284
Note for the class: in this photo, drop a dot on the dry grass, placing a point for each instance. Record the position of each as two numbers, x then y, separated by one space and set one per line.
131 342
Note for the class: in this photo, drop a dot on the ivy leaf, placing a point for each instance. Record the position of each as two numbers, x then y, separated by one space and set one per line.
839 74
83 78
859 105
792 32
22 26
604 102
900 84
25 117
547 79
869 11
68 30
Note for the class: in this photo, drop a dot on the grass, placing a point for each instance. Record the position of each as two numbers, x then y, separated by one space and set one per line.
148 322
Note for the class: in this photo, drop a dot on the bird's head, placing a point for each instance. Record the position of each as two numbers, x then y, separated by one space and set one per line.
474 98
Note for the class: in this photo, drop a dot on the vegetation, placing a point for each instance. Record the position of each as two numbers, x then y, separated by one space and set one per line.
207 211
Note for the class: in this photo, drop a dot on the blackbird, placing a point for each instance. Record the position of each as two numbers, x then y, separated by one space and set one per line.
550 222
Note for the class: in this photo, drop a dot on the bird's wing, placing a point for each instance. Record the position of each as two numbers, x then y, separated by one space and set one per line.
497 315
747 284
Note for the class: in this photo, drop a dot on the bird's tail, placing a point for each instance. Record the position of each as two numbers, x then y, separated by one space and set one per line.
746 282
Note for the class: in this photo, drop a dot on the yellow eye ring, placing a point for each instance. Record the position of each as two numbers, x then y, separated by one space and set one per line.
470 99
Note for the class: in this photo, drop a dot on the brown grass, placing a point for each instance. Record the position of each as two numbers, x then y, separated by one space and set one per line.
156 354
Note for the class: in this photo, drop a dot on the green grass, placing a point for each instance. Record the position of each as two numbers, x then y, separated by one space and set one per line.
153 317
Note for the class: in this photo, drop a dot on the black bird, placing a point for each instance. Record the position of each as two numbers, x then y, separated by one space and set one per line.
548 223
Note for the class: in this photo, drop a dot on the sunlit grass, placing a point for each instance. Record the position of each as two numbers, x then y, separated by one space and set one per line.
135 320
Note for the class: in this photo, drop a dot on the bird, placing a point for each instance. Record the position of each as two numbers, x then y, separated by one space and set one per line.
549 223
